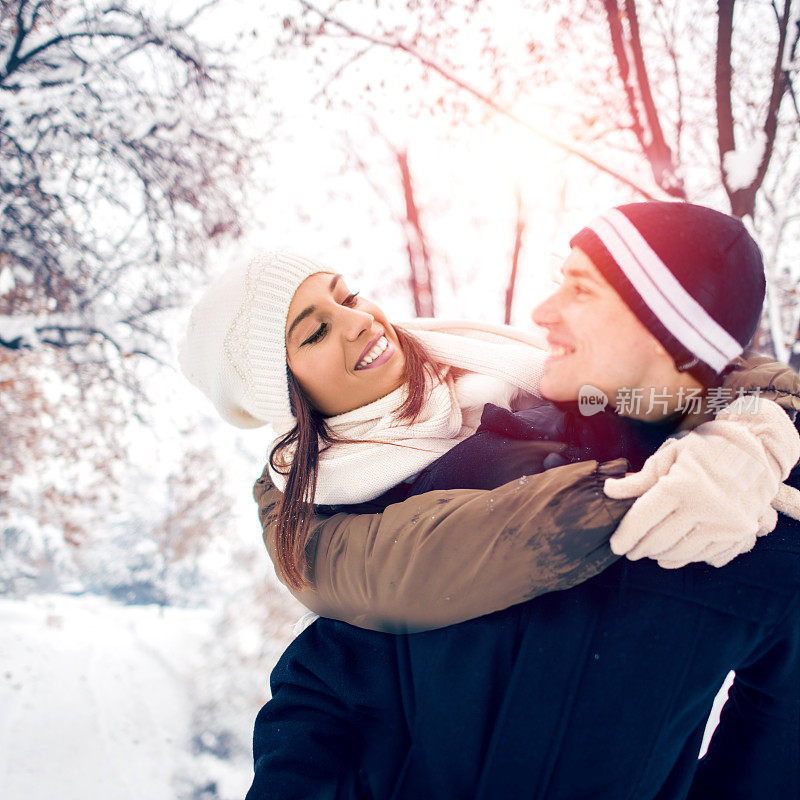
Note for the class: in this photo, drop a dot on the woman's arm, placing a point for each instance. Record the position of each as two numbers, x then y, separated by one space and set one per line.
447 556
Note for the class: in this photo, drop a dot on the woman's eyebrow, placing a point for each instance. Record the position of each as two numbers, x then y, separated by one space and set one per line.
298 319
310 309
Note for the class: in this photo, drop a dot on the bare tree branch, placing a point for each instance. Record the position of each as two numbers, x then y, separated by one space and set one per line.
519 230
645 122
655 147
780 83
483 97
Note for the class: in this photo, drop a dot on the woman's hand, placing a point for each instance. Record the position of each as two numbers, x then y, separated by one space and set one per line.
707 495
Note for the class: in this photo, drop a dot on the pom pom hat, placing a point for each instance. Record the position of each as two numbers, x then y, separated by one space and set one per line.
234 349
693 276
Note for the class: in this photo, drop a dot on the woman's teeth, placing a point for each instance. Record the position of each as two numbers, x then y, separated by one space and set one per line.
560 350
379 347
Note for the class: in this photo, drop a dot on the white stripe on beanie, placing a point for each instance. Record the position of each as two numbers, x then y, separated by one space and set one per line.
663 294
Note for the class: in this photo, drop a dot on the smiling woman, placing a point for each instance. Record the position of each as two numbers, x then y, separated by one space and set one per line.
358 404
342 350
342 354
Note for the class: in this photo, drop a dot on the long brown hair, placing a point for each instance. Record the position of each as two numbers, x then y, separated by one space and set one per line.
301 468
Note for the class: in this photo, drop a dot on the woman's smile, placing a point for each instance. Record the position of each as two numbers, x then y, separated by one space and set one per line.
377 352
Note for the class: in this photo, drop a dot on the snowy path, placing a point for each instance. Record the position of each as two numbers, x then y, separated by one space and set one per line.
96 701
96 698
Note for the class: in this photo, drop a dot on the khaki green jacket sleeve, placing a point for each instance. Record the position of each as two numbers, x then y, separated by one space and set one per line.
770 379
447 556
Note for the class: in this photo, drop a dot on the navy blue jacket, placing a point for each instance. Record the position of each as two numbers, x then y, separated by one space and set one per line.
599 691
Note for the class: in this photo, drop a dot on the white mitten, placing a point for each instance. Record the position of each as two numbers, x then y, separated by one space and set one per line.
787 501
706 496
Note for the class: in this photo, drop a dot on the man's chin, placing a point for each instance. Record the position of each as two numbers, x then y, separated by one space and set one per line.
558 394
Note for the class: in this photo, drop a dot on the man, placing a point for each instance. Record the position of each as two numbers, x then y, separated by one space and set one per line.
601 690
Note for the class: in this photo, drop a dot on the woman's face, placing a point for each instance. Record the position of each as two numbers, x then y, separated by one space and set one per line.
341 348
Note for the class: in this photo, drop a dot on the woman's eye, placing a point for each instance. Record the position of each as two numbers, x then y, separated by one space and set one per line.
317 335
350 300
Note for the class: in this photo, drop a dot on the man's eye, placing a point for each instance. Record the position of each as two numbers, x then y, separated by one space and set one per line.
350 300
317 335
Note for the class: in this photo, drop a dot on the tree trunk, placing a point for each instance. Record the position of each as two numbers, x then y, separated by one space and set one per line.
645 122
416 244
743 199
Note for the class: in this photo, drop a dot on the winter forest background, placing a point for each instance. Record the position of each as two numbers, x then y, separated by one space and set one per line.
438 153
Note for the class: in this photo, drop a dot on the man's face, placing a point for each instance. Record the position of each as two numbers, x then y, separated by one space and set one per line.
596 339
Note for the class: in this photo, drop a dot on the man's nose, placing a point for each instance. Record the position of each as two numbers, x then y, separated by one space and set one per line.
546 313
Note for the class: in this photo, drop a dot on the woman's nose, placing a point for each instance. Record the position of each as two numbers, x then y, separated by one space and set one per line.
356 322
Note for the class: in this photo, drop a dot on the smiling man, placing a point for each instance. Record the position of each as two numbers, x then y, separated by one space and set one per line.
660 297
595 339
603 689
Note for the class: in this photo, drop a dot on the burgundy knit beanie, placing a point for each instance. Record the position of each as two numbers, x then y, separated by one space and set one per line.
693 276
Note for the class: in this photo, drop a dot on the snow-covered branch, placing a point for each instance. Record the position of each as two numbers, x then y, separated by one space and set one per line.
122 156
129 336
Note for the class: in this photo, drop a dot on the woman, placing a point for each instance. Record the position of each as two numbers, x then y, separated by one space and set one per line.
283 341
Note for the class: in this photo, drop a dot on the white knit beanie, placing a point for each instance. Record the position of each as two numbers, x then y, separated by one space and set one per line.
234 349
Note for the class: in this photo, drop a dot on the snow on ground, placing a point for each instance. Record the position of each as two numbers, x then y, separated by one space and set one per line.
98 700
96 697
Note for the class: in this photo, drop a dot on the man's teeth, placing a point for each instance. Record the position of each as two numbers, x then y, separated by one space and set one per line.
561 350
379 347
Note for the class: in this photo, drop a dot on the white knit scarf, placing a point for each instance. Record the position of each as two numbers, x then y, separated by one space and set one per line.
354 472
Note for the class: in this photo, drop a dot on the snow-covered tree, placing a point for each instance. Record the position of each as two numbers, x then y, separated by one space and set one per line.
122 160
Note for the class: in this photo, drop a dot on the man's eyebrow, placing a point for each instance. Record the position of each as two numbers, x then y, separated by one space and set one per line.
310 309
577 272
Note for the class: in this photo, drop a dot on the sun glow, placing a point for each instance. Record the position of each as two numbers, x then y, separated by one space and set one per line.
519 158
